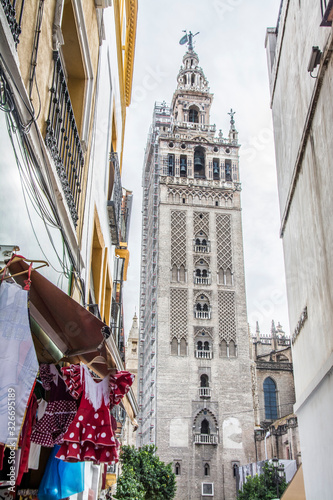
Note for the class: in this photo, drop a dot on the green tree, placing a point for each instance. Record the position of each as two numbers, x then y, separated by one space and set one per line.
262 487
144 476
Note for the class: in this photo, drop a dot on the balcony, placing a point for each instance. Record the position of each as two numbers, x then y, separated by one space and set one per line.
205 392
203 354
202 248
63 141
205 438
199 280
202 314
13 10
114 203
326 12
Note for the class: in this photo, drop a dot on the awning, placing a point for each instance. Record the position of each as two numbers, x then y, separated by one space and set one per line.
295 490
61 327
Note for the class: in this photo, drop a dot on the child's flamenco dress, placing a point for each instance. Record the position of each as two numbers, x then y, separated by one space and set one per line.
90 436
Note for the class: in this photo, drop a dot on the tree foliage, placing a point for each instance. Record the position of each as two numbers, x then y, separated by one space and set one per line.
262 487
144 476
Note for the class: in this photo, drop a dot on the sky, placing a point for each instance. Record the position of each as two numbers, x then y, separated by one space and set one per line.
231 50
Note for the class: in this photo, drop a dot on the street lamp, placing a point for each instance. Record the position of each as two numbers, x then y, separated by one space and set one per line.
278 473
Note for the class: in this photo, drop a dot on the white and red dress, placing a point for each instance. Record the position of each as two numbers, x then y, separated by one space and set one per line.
91 436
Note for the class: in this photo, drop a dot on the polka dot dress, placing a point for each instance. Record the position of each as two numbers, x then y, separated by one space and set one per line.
91 434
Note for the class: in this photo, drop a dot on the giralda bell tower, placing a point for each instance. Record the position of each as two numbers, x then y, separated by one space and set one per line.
194 367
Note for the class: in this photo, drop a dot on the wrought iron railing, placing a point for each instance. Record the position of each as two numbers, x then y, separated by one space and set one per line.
63 141
14 11
114 204
206 438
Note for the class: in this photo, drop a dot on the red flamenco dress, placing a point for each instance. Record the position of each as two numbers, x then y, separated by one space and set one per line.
90 436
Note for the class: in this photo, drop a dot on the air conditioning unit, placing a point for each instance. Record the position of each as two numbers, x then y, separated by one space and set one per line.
207 489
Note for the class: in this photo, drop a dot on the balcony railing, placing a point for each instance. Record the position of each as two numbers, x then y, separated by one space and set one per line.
114 204
205 438
202 314
203 354
198 280
205 392
326 12
202 248
14 10
62 139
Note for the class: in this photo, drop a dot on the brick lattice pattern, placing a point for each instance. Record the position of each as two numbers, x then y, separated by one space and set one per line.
227 316
178 313
223 233
178 238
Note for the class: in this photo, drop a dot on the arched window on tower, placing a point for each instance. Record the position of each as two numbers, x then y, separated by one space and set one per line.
228 170
270 399
171 164
223 349
206 470
177 469
232 349
183 348
183 166
216 169
182 274
193 115
204 429
199 163
204 389
174 347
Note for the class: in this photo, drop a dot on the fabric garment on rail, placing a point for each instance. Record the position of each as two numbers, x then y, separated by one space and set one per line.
35 448
18 360
60 411
61 479
24 442
91 434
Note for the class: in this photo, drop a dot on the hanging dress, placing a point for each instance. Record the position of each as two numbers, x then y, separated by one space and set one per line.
91 435
60 410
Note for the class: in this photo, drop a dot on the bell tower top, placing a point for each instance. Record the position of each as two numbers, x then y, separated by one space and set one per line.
192 99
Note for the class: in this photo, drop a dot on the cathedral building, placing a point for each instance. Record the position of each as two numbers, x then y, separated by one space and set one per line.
194 382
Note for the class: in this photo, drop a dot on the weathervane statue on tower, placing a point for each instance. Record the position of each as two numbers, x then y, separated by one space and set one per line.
188 39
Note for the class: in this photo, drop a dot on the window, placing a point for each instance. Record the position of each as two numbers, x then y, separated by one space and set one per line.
174 347
228 170
223 349
171 164
232 349
207 489
183 166
177 469
199 162
206 470
183 349
193 115
205 427
202 308
204 381
216 169
270 399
